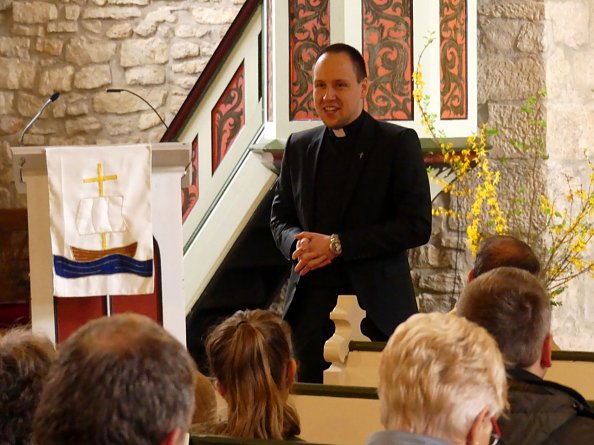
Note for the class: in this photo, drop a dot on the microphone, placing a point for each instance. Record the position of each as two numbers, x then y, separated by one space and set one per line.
119 90
49 100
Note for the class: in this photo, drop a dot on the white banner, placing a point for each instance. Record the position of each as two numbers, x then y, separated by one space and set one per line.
100 220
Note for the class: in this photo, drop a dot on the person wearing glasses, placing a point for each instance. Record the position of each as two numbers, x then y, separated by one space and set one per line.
442 382
514 307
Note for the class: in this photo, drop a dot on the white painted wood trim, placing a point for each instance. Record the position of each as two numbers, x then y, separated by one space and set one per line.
223 226
246 52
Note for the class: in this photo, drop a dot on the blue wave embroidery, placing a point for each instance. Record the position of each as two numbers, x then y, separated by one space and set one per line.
108 265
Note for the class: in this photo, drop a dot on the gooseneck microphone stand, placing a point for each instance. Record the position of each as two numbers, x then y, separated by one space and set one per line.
119 90
48 101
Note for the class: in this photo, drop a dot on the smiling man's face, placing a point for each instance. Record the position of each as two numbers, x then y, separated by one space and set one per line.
338 96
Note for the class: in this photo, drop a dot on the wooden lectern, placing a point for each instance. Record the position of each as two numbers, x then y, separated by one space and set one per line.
58 317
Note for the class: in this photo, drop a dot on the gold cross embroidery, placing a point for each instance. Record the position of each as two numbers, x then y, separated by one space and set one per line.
100 178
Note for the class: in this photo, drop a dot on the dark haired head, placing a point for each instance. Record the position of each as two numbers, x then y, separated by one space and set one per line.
354 55
505 251
25 359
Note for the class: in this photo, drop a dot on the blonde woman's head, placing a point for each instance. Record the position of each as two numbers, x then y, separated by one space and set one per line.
438 374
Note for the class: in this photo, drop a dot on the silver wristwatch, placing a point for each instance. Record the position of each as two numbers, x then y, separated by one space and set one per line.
335 246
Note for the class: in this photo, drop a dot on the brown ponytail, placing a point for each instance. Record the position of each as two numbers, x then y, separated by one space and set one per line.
249 354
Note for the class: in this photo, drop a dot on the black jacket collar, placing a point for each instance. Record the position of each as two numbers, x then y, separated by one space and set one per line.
522 375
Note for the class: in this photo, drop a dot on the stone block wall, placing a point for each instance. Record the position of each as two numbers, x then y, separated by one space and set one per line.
510 69
569 61
510 66
440 268
156 48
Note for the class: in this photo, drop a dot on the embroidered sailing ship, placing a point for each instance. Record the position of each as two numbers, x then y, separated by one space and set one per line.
101 216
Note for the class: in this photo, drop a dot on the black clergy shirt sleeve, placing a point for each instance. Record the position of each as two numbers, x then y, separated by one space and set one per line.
284 221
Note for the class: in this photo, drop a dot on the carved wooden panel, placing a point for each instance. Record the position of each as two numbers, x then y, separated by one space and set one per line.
190 194
309 33
453 59
228 117
387 49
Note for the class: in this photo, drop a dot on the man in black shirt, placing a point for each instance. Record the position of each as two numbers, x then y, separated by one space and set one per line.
351 198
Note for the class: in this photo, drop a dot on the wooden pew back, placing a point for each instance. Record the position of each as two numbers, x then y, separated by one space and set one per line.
336 414
204 439
573 369
329 414
355 362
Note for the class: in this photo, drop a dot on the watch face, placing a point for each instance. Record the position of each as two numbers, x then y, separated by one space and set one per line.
335 245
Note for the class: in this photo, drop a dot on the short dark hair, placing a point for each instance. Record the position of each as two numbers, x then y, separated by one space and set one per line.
120 380
505 251
355 56
514 307
25 359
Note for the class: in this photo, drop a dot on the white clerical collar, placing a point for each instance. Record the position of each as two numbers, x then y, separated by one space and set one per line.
339 133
